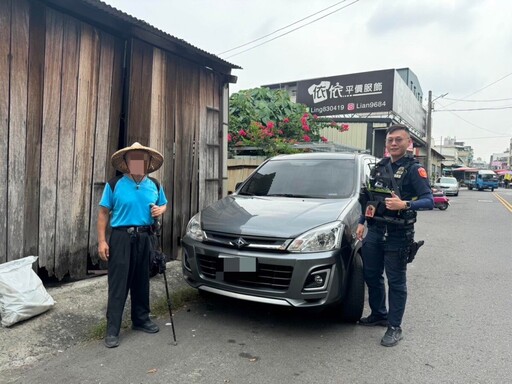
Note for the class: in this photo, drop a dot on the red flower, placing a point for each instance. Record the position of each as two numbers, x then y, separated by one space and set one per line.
270 125
280 132
306 128
344 127
306 138
315 117
286 120
324 139
230 137
242 133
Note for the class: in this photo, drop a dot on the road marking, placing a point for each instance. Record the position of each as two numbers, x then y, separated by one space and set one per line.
503 201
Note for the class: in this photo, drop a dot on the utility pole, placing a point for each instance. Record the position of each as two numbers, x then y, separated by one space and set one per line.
430 108
429 134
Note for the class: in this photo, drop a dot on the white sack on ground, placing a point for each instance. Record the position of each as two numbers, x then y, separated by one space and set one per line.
22 294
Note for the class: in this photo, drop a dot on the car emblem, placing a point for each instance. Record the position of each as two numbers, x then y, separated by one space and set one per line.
240 242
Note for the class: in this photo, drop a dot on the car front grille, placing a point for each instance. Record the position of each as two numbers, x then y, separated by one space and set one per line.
242 241
268 276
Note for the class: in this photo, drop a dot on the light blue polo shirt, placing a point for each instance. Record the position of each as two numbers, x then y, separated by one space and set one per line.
129 203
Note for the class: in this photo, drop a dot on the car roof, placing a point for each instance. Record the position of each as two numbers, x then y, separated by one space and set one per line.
319 156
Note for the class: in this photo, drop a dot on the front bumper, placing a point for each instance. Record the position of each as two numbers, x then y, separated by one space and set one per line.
289 279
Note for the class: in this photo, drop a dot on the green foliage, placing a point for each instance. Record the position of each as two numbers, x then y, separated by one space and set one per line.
269 120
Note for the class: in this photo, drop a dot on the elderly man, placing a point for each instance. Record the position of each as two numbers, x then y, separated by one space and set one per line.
132 202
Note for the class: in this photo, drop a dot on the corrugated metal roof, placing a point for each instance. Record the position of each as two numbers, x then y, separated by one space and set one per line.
104 7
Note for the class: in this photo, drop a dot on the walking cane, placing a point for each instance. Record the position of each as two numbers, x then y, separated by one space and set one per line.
161 269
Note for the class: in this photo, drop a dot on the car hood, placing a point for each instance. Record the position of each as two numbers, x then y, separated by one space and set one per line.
445 185
270 216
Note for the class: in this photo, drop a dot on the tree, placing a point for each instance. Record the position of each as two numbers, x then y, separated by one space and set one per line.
269 120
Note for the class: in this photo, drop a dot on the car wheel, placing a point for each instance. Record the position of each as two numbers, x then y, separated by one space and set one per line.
470 188
457 194
492 189
443 206
353 303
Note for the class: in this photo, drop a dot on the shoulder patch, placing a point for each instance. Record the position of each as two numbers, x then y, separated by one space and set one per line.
422 172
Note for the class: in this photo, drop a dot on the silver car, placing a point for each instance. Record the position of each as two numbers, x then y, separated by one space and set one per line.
449 185
286 236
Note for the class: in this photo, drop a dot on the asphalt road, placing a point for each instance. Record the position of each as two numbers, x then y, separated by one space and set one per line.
457 326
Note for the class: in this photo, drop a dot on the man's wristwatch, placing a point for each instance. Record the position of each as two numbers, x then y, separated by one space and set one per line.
407 205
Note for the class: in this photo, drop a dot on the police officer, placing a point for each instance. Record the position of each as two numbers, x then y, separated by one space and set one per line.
133 201
398 187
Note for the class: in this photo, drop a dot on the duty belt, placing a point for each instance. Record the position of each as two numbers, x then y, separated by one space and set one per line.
134 229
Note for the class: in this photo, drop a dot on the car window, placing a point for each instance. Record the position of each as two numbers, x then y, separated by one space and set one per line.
315 178
448 180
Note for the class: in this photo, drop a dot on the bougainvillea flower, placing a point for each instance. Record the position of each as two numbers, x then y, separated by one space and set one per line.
286 120
306 138
242 133
230 138
324 139
270 125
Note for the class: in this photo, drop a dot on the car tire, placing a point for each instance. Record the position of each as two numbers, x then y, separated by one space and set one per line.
353 303
443 206
457 194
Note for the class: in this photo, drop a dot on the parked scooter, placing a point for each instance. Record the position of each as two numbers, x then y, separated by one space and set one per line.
440 199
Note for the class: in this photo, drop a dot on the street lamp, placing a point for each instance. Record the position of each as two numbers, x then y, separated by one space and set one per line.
430 108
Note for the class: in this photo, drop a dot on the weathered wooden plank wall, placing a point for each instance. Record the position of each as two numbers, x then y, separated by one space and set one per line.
61 116
169 239
34 126
66 146
50 139
5 47
209 140
17 129
59 113
102 153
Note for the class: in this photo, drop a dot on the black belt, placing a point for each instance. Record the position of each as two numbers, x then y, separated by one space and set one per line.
134 229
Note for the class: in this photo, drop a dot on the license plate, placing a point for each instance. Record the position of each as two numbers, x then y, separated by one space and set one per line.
238 263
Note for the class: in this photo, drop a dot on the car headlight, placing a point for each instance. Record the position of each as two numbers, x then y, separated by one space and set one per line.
320 239
194 230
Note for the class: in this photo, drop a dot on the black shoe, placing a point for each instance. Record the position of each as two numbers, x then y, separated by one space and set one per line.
392 336
111 341
373 320
148 327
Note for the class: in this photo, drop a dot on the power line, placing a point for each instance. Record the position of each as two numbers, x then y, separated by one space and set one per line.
481 89
280 29
473 109
478 101
293 30
473 124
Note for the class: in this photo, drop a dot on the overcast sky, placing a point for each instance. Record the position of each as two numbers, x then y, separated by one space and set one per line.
454 46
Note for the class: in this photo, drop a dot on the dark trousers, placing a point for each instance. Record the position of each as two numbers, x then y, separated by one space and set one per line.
385 253
128 270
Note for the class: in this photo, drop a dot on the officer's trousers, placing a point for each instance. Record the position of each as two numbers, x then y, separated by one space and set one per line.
381 253
128 271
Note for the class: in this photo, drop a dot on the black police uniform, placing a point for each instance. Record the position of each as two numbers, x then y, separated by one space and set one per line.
390 238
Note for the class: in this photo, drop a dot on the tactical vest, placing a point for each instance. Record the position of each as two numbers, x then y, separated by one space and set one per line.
381 184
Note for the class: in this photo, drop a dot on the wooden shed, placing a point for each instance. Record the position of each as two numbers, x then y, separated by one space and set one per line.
79 80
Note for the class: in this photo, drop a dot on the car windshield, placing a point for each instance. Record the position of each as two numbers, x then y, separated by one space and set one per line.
487 176
313 178
447 180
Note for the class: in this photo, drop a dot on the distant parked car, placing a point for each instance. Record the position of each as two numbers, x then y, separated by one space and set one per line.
285 236
449 185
